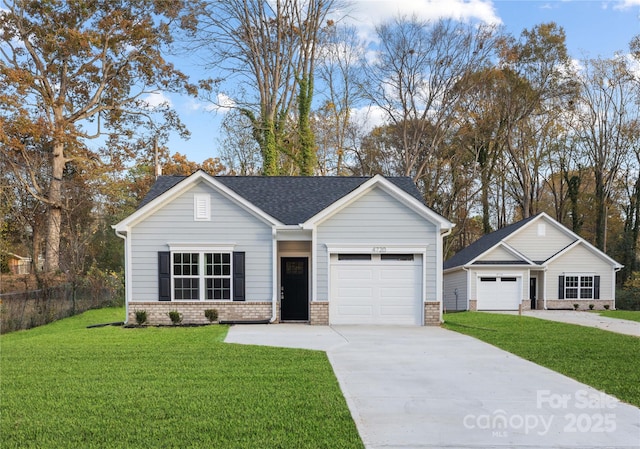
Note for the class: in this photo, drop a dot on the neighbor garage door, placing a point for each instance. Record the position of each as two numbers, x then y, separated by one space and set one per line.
499 292
375 289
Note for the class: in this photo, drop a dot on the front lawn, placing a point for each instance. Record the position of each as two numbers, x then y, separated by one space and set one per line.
64 385
605 360
632 315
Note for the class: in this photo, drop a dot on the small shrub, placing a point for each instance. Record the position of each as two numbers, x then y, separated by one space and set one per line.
211 315
591 306
575 306
175 317
141 317
606 307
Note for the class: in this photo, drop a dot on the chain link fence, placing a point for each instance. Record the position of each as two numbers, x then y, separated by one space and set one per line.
24 310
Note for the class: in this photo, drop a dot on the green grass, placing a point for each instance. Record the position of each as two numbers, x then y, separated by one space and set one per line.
605 360
64 385
631 315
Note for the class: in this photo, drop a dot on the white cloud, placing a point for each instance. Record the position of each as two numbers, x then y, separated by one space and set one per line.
155 99
369 117
366 14
626 4
223 104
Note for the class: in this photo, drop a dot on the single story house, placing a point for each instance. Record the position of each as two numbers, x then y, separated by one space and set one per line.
323 250
536 263
17 264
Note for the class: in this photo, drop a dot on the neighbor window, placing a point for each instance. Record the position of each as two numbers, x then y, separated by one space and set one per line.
578 287
202 271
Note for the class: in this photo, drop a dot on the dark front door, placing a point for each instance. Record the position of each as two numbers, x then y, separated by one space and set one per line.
532 292
294 281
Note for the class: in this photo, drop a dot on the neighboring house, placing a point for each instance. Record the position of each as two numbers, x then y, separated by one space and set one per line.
339 250
18 264
536 263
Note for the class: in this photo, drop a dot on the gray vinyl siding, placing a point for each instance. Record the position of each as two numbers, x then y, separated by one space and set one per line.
376 218
579 260
537 247
455 280
174 223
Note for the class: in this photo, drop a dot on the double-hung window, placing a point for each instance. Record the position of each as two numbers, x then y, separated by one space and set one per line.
186 278
217 275
579 286
204 274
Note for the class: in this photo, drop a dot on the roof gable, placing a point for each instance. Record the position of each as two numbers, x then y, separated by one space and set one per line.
489 241
289 199
393 190
483 244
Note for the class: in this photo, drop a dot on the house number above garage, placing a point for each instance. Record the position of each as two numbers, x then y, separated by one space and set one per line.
379 249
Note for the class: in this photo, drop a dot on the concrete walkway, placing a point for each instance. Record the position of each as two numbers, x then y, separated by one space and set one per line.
584 318
427 387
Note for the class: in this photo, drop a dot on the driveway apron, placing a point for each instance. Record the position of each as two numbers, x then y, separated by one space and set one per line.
427 387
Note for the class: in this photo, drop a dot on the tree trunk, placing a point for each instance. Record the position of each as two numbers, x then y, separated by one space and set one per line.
307 141
601 211
54 210
269 149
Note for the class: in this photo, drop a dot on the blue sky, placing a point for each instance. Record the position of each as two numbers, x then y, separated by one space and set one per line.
593 28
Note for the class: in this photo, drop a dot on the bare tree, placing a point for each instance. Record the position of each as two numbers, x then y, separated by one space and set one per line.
268 51
415 78
607 117
540 86
339 69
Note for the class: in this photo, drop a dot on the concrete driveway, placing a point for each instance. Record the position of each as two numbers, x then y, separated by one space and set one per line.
427 387
584 318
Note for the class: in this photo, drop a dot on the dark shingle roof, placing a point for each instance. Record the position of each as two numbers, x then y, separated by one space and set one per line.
481 245
290 199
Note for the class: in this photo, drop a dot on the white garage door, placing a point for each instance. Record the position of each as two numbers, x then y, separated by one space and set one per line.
376 289
499 293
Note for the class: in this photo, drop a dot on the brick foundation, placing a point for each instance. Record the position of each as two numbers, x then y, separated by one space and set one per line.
432 313
584 304
319 313
193 312
473 305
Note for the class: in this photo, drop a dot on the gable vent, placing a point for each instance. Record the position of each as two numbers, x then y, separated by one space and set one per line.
201 207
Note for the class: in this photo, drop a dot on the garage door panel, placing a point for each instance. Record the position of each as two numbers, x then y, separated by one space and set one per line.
396 310
355 310
355 273
355 292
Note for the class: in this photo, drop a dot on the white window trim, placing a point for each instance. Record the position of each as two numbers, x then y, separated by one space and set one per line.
202 249
201 207
579 288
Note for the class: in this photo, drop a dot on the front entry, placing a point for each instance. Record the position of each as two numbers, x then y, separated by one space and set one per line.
294 290
532 292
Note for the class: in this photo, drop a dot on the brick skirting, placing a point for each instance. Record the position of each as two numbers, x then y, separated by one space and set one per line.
598 304
432 313
193 312
319 313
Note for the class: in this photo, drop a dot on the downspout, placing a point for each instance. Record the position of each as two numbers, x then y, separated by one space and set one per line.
126 277
274 276
544 290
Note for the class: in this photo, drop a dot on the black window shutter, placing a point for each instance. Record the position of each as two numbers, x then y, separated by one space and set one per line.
561 287
238 276
164 276
596 287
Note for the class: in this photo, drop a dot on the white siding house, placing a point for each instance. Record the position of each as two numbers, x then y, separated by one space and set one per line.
312 249
534 263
